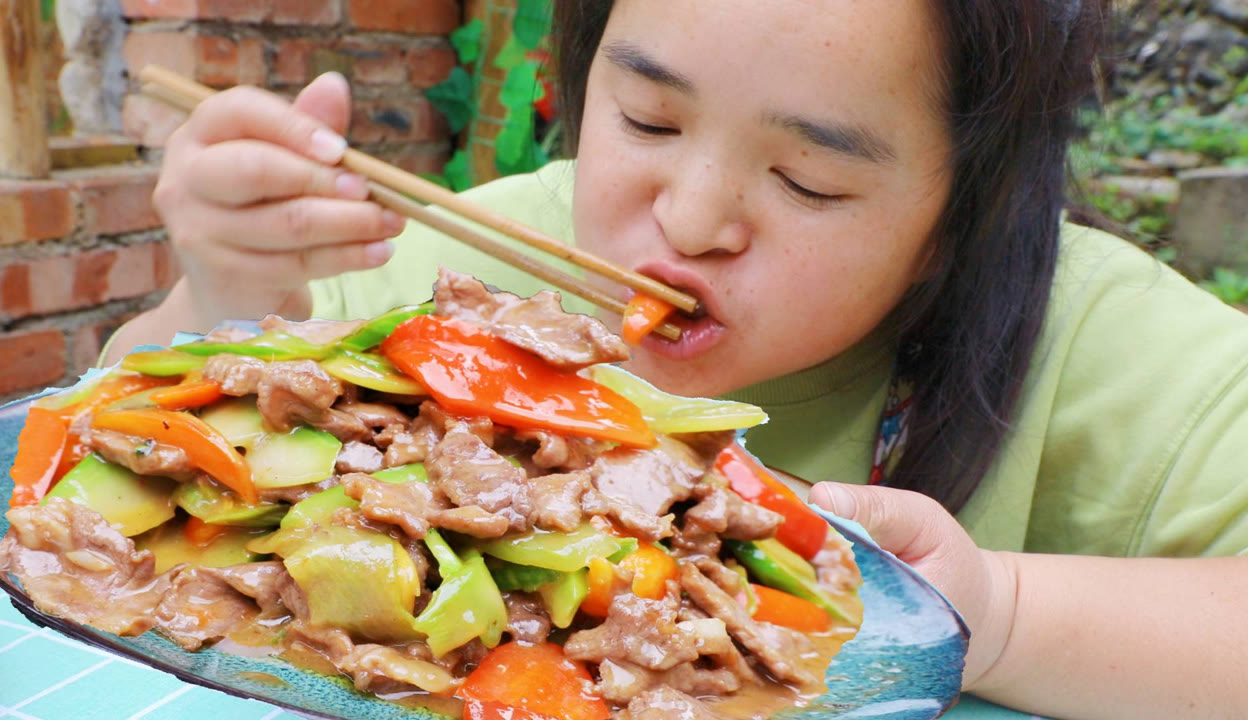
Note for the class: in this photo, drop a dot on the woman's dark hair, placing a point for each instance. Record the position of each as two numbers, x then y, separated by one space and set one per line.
1016 73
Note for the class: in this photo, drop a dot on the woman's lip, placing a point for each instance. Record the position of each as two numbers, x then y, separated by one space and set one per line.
683 279
697 337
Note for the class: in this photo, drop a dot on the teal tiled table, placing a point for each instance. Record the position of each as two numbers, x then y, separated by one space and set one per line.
44 676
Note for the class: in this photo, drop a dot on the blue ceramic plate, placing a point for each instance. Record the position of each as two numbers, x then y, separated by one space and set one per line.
904 664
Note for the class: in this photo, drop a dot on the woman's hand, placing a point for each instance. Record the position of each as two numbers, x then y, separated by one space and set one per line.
920 532
255 207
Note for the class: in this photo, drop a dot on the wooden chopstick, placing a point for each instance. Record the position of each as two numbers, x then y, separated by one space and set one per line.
168 86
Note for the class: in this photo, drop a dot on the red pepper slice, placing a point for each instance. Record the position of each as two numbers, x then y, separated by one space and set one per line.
516 680
471 372
207 448
803 530
39 448
781 608
642 315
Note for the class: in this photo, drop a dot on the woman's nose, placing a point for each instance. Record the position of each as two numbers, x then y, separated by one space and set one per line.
701 212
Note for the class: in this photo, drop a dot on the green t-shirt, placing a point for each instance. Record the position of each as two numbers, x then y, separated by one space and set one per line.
1131 439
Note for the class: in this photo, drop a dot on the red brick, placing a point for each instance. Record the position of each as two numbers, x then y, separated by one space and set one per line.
414 17
396 120
149 122
428 66
69 282
116 200
35 210
86 342
210 59
421 159
282 12
293 60
374 62
31 360
307 12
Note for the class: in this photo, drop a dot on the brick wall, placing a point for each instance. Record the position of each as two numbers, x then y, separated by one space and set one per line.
83 251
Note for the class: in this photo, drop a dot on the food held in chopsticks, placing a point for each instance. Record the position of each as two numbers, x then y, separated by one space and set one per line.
461 502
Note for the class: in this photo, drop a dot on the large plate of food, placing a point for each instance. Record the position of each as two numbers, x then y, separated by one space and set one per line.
463 509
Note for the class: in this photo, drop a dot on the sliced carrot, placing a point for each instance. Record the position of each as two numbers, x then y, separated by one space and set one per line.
193 393
651 568
201 534
39 448
781 608
535 680
642 315
603 584
207 449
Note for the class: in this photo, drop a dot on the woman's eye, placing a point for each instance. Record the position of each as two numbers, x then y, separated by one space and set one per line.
639 128
810 196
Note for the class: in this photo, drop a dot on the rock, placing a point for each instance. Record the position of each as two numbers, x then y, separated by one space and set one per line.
1177 159
1232 11
1211 226
1151 190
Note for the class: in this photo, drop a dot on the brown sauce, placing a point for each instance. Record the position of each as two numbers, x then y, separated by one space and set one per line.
750 703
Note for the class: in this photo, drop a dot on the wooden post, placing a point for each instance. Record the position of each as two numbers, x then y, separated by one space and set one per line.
23 95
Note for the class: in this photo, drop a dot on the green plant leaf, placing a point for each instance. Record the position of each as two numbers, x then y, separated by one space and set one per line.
520 89
458 171
455 98
532 22
466 40
510 55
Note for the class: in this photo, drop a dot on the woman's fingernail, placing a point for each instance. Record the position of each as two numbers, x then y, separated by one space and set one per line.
378 253
327 146
351 186
393 222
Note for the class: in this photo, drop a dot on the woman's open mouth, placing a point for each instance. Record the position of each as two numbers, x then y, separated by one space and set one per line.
701 330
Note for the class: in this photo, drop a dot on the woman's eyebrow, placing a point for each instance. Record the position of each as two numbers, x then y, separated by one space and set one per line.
855 141
633 59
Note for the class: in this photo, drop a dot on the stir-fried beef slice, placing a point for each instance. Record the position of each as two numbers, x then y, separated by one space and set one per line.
538 324
75 565
472 521
779 652
557 500
416 551
141 455
297 493
619 681
707 444
464 658
835 566
300 391
333 644
358 457
317 332
665 703
405 505
238 374
717 572
563 452
642 485
442 421
201 607
268 583
228 334
414 508
637 630
375 416
723 512
407 444
527 620
467 472
693 541
383 669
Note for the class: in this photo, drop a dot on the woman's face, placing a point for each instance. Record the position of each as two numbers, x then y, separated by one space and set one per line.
784 161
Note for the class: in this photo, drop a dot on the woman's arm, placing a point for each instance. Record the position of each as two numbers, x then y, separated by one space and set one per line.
1096 637
1071 636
